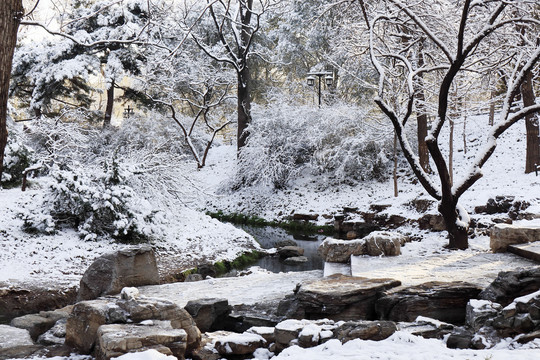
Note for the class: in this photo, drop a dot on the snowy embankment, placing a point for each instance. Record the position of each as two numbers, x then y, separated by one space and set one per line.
60 259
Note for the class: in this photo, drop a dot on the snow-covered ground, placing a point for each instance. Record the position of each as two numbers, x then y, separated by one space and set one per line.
194 237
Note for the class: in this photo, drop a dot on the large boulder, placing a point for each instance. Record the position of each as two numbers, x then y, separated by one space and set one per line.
375 244
512 284
341 297
15 343
209 314
87 316
503 235
109 273
438 300
117 339
520 317
480 313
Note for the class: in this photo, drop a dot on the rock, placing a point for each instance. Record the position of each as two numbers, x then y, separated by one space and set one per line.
88 316
342 297
460 339
375 244
365 330
360 228
503 235
118 339
512 284
266 332
83 324
502 204
207 350
290 308
379 207
520 316
55 335
288 330
433 222
422 205
239 344
283 243
194 277
290 251
384 243
296 260
309 336
305 217
438 300
529 337
15 343
206 270
208 313
351 235
109 273
340 251
21 301
426 328
35 324
480 313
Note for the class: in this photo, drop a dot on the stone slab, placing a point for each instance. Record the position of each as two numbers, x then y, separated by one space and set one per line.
529 251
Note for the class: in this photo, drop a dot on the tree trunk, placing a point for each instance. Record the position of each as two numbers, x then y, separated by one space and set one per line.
11 12
244 76
109 106
421 116
532 157
244 107
396 192
457 236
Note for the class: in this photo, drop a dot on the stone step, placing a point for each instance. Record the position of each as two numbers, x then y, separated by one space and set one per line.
529 250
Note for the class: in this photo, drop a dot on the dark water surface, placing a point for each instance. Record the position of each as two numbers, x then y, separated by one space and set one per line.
268 237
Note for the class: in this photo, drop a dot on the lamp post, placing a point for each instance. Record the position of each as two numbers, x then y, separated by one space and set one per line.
328 79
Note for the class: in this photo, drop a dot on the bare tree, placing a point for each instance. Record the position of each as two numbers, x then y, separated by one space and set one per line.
11 13
456 42
236 22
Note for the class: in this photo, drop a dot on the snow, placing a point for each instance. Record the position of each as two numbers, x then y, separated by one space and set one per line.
400 346
146 355
241 339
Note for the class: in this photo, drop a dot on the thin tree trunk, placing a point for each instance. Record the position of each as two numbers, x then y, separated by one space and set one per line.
421 117
395 165
532 157
451 152
465 135
492 109
109 106
11 12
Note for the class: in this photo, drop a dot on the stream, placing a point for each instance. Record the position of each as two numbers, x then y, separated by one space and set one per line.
268 236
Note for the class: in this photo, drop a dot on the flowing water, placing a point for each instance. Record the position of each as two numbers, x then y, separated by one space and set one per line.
269 236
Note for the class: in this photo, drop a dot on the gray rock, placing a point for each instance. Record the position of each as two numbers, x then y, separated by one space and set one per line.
35 324
340 251
283 243
109 273
460 339
512 284
433 222
503 235
88 316
55 335
194 277
208 314
266 332
340 297
118 339
384 243
290 251
365 330
15 343
239 344
480 313
296 260
437 300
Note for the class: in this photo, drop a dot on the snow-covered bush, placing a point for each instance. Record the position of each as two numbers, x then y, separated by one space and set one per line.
337 142
96 203
17 157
